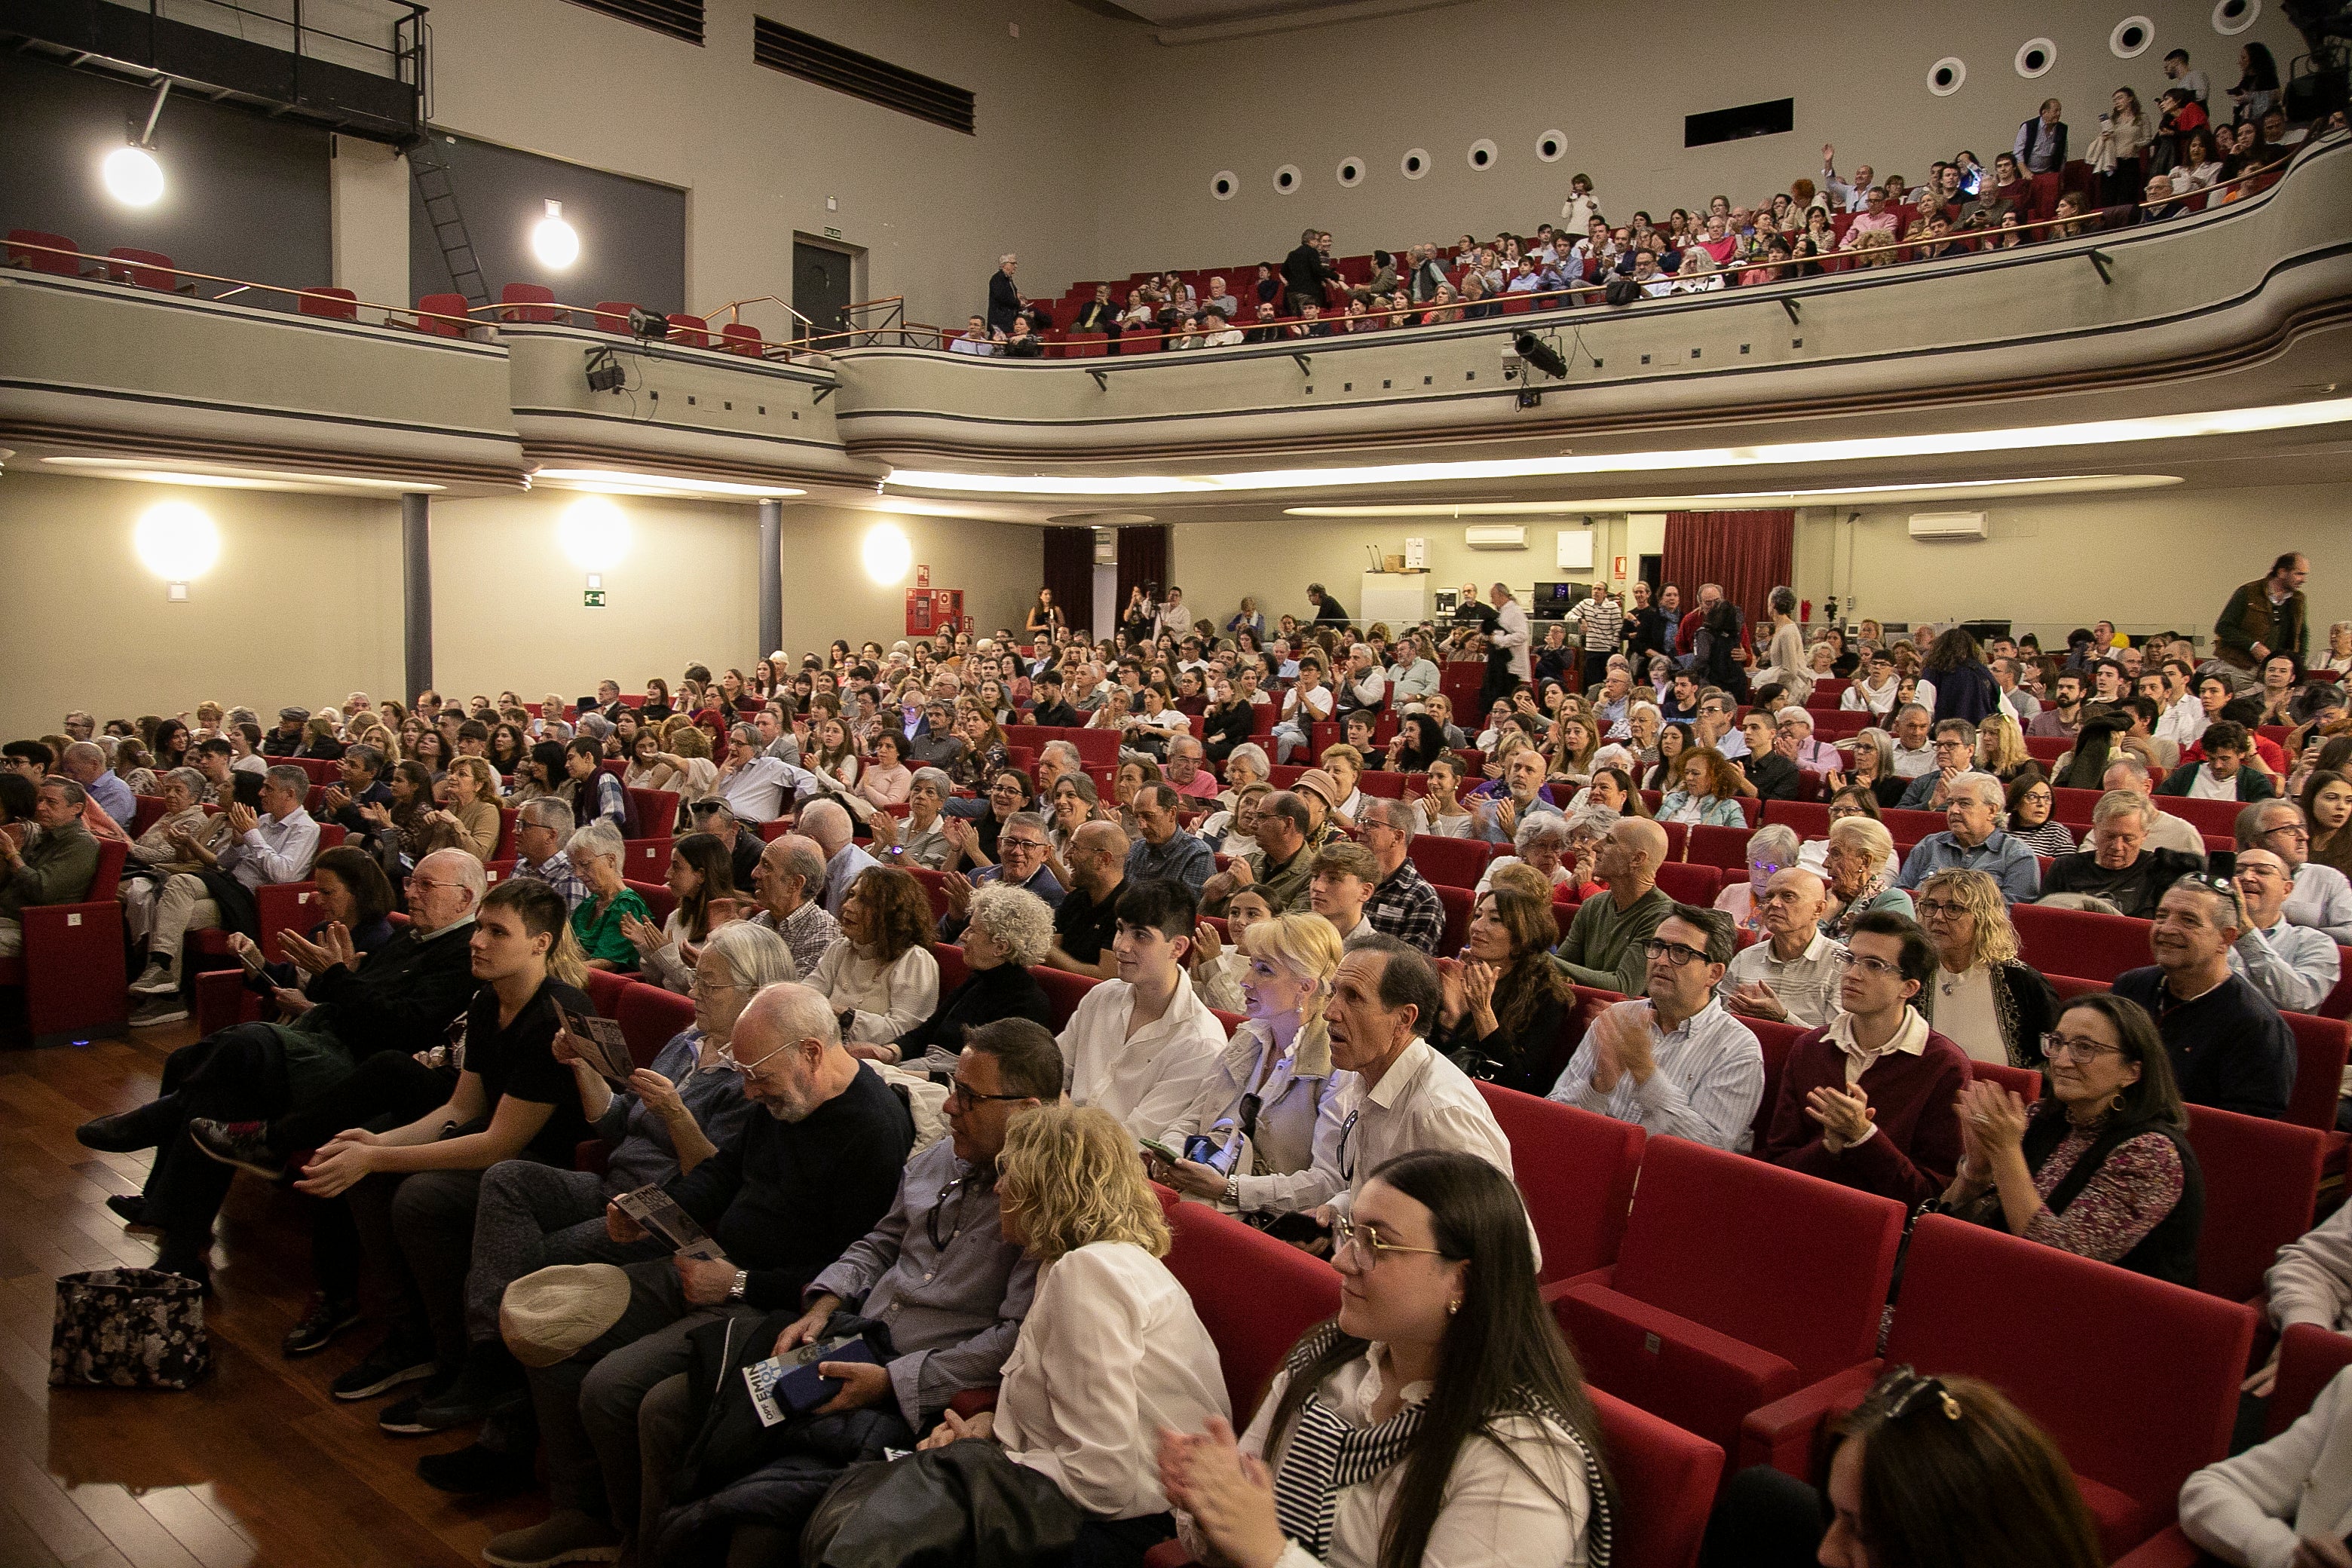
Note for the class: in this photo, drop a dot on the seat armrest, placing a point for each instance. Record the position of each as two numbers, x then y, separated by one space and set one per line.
1785 1432
2168 1549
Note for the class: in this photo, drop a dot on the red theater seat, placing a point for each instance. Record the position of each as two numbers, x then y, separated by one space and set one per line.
1687 883
1575 1172
442 315
650 1017
72 967
335 304
2309 1356
659 900
2080 943
1725 849
604 988
1449 862
1062 991
1256 1296
2261 1178
145 269
37 250
1666 1484
741 338
691 331
2319 1049
528 302
613 315
1738 1282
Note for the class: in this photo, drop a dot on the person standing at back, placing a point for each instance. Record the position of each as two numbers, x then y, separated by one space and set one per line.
2262 618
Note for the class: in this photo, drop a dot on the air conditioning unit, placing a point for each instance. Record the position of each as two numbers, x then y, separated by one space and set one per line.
1496 536
1949 525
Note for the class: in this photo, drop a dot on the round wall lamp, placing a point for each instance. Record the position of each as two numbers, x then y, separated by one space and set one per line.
595 535
888 554
555 242
177 541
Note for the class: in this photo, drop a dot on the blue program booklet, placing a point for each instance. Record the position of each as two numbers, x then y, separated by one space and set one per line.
790 1385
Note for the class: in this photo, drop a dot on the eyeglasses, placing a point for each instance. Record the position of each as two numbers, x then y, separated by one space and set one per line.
419 885
1034 845
2075 1048
1673 952
1866 963
751 1070
1367 1242
1941 907
703 988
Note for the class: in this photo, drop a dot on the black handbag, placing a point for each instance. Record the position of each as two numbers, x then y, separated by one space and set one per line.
963 1506
129 1328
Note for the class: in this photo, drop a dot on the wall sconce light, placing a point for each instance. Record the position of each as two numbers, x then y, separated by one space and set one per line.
887 554
178 543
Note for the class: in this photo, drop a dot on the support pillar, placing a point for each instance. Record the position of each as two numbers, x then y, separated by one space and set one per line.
417 591
772 576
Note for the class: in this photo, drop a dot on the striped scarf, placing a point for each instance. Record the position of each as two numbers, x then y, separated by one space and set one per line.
1325 1453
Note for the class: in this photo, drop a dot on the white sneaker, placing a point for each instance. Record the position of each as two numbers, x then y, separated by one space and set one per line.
159 1010
157 981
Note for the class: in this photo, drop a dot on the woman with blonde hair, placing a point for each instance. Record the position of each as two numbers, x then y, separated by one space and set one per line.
1984 999
1270 1107
470 817
1110 1352
2001 749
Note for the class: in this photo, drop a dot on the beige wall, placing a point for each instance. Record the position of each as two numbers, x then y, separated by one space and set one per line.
1617 84
758 152
828 595
303 605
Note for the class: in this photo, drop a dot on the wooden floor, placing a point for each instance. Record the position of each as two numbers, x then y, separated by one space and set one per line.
255 1466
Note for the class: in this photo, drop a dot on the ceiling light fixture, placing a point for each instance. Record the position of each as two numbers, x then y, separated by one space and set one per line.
130 174
1956 489
614 481
1965 443
156 470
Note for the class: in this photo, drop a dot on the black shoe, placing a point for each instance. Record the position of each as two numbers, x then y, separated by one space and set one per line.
400 1416
131 1208
474 1394
319 1326
127 1133
196 1268
239 1144
477 1471
386 1367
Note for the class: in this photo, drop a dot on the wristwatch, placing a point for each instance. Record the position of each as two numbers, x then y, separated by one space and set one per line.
735 1291
1233 1192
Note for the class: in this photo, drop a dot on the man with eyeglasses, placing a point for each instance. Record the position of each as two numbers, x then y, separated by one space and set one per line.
938 1269
1955 751
783 1199
1162 848
2319 896
1870 1100
2165 831
1973 840
1714 727
1403 905
1791 977
1603 947
2293 966
1022 853
1674 1061
542 828
755 786
1142 1044
2230 1048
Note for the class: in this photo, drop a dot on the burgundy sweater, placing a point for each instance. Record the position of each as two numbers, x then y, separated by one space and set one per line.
1912 1156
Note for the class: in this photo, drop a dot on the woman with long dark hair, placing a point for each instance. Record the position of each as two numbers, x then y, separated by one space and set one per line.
1500 1461
1505 998
1965 689
702 879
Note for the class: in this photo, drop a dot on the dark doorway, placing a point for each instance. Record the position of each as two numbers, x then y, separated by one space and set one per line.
821 286
1652 569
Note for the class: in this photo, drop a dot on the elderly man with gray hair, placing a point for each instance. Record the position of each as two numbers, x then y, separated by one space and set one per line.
2118 864
2319 896
1974 840
275 844
826 822
2165 831
85 763
789 882
542 827
1792 976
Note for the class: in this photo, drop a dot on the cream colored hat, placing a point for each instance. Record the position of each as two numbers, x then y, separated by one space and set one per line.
547 1316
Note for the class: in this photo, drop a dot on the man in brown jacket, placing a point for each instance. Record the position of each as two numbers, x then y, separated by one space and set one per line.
2264 617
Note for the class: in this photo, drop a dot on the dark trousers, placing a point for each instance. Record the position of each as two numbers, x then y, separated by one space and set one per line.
416 1232
388 1090
1120 1543
1500 683
1596 669
238 1074
1763 1519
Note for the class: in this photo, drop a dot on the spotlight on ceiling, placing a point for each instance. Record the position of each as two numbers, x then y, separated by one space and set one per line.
130 174
555 242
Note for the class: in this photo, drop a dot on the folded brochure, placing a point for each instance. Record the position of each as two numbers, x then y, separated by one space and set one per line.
600 1043
786 1384
659 1212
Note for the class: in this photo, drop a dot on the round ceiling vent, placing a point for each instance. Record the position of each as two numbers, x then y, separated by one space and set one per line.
2035 57
1414 163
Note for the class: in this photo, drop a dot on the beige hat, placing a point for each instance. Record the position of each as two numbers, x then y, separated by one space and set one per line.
1321 783
547 1316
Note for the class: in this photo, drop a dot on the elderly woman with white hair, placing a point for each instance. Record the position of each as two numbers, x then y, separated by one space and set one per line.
599 922
1245 765
172 844
1860 869
1543 841
921 839
1771 849
1006 931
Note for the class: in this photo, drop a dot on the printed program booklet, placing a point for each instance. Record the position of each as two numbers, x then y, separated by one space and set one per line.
659 1212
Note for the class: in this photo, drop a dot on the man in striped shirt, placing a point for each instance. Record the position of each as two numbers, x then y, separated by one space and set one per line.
1603 621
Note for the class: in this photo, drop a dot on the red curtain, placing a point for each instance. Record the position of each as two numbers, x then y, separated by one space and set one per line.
1070 572
1748 553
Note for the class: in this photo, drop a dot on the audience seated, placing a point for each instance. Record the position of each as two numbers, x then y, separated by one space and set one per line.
2271 1503
274 844
2230 1048
601 921
2319 896
1144 1045
542 829
1505 1003
1603 947
2119 867
2294 967
1973 840
1791 975
701 877
1985 999
879 974
1868 1100
1859 866
786 884
55 866
1005 931
1403 904
2100 1164
1676 1061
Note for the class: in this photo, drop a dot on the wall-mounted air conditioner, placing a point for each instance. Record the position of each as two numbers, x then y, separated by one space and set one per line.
1496 536
1949 525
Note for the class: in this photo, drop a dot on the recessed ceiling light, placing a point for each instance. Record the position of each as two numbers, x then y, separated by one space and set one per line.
1941 489
614 481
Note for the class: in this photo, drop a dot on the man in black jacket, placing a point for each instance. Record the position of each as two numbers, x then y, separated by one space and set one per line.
2230 1047
1306 270
782 1200
1005 300
2117 866
1099 315
1046 707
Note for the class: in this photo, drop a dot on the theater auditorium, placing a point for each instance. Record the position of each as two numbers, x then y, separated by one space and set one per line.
1245 782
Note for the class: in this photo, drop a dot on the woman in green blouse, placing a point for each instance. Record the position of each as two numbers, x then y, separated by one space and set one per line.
597 853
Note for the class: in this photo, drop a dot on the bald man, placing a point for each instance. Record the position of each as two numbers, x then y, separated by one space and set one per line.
1603 948
827 822
1793 977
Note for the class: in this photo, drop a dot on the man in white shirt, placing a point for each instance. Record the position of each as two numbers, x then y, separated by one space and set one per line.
1217 330
2183 721
1175 616
2320 897
2293 966
2022 705
1676 1061
974 340
756 786
274 845
1791 978
1510 641
1363 684
1345 875
1915 753
1406 1097
1141 1045
1714 727
1842 196
1414 678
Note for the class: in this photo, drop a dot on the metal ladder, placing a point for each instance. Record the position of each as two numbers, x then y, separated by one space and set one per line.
439 190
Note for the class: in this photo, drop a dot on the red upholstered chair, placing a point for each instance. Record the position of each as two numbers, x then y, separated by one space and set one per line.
656 811
37 250
650 1017
442 315
1811 819
150 812
2023 1082
1969 1293
742 338
1777 1040
935 884
1687 883
72 967
1255 1294
1576 1173
145 269
647 859
1385 785
1458 904
2320 1047
335 304
953 972
1737 1283
691 331
659 899
526 302
2080 943
604 988
2338 1004
2261 1178
222 999
1666 1484
1062 991
278 907
1725 849
2308 1357
2217 818
613 315
1448 862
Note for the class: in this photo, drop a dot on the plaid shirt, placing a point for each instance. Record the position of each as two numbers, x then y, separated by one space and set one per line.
1406 907
557 873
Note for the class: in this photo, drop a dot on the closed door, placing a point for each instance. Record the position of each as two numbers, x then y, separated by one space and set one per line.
821 287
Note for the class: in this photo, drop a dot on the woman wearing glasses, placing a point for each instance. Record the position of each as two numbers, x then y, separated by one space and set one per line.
2101 1165
1439 1417
2031 801
1983 997
1112 1350
1270 1105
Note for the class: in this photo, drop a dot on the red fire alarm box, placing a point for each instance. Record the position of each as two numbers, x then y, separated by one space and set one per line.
933 610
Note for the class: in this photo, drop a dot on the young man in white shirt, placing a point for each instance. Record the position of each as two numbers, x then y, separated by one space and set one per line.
1140 1045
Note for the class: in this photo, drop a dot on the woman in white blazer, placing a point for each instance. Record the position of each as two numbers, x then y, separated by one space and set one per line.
2286 1503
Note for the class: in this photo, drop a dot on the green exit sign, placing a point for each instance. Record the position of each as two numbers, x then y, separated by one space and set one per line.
592 598
832 234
